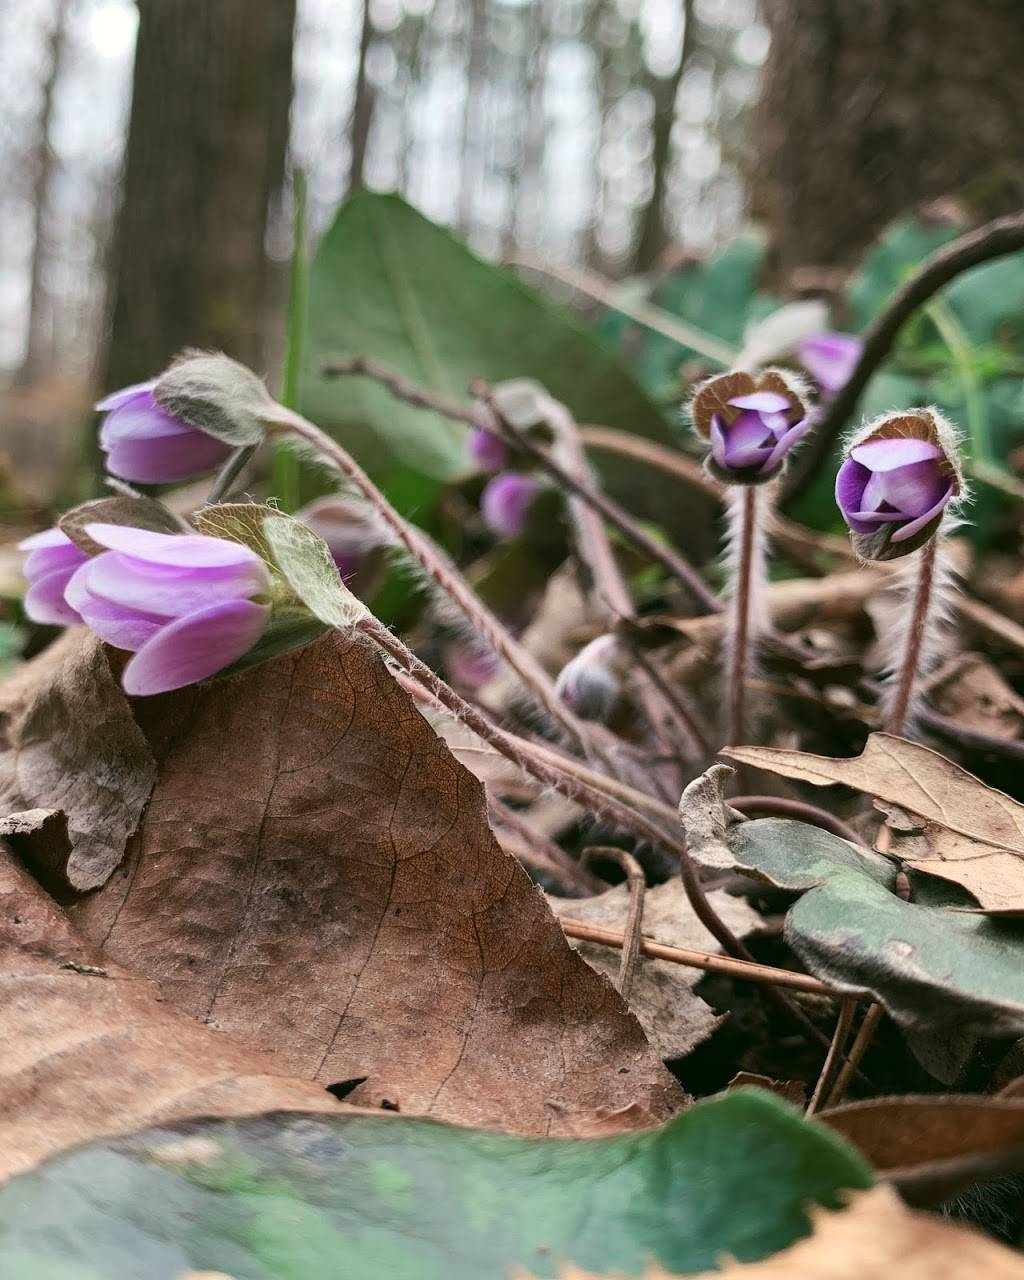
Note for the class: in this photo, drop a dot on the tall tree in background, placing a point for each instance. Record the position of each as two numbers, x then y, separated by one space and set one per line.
869 108
206 151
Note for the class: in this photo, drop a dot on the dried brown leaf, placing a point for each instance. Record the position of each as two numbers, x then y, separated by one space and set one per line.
971 835
68 743
673 1016
90 1050
876 1236
969 690
315 875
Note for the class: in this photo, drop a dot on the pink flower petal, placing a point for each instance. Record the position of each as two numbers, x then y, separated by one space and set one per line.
195 647
170 591
763 401
785 443
915 488
179 550
45 601
123 628
165 459
142 419
915 526
718 442
124 396
887 455
48 538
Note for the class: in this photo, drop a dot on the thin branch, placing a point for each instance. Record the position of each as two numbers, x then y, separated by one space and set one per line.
994 240
835 1055
691 958
645 313
865 1035
780 807
632 929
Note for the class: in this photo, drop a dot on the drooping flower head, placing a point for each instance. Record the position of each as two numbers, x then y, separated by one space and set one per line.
830 358
589 684
51 562
900 475
751 423
147 445
186 605
506 501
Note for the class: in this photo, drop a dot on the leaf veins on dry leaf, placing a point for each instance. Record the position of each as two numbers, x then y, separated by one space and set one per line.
314 875
968 833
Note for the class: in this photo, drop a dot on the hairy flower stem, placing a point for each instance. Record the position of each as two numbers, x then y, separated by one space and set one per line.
920 616
745 590
441 572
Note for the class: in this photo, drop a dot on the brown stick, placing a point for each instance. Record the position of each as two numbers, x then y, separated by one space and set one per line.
632 930
864 1037
745 970
834 1055
782 807
994 240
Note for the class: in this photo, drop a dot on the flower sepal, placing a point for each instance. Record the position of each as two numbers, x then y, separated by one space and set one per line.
216 395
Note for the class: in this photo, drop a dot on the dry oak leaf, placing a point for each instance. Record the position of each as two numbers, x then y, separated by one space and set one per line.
970 834
876 1238
90 1051
674 1017
69 744
315 876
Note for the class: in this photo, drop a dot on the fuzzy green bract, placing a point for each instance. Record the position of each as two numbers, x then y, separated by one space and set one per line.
284 1197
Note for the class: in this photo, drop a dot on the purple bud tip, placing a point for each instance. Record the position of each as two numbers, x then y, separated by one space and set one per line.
49 566
469 667
146 445
505 502
755 443
830 358
185 605
589 685
487 450
347 537
894 487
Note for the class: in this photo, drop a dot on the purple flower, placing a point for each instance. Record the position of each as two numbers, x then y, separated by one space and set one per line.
470 667
488 451
145 444
51 562
896 487
346 536
752 441
830 358
182 603
506 500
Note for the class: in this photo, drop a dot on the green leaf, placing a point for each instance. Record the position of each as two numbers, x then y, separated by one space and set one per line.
298 1197
939 971
890 262
388 283
307 566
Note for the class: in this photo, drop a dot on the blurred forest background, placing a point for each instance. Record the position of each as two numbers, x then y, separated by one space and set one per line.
148 153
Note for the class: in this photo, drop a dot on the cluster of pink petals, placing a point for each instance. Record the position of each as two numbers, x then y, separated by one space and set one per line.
758 439
905 483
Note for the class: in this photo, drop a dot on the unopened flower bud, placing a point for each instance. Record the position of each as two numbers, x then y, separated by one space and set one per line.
347 537
505 502
751 423
901 473
830 358
589 684
488 451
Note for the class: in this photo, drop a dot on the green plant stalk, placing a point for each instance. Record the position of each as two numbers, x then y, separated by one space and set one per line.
285 471
956 340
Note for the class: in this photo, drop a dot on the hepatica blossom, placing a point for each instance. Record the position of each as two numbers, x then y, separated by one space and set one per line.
487 450
185 605
895 484
505 502
830 358
750 425
51 562
147 445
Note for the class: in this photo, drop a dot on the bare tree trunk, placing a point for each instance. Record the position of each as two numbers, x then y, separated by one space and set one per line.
476 77
362 107
869 109
205 156
39 344
653 235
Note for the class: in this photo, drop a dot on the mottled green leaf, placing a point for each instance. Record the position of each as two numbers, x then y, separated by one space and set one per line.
289 1197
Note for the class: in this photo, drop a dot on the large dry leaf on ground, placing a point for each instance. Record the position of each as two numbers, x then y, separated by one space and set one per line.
971 834
876 1238
89 1050
315 875
68 744
674 1017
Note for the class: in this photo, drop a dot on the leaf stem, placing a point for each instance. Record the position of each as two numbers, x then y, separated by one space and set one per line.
229 473
906 677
